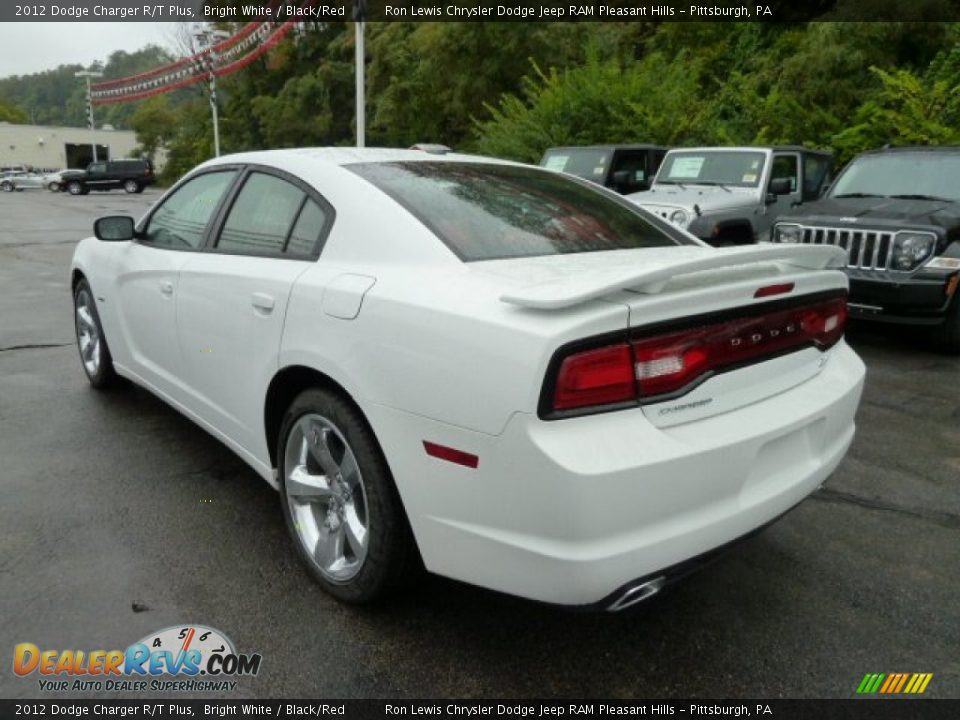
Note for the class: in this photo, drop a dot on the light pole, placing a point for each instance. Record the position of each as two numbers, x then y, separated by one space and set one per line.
359 15
87 74
207 39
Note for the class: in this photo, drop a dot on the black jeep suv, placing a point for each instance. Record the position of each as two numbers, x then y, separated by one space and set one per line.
130 175
896 212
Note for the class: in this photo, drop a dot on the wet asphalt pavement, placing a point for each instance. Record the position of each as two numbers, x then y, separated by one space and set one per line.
113 501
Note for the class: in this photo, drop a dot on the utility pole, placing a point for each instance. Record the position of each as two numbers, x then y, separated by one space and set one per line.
207 39
359 14
87 74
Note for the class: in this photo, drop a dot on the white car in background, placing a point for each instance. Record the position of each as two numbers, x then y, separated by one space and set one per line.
53 180
20 180
516 376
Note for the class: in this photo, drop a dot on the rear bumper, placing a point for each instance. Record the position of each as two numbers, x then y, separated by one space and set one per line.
568 512
915 301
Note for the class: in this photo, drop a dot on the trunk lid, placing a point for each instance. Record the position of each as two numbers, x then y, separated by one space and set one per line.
666 289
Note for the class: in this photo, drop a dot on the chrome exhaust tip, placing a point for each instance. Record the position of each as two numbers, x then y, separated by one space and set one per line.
634 594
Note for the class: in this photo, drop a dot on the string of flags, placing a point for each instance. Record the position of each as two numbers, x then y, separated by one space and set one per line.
225 58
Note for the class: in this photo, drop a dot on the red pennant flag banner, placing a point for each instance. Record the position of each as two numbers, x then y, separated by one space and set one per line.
252 41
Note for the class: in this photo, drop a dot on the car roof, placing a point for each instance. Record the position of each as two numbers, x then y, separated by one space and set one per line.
611 146
349 156
913 148
774 148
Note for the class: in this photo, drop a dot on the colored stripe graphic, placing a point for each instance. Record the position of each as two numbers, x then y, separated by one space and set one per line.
894 683
891 680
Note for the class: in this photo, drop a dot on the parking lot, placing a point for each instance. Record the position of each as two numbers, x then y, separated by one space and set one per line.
119 517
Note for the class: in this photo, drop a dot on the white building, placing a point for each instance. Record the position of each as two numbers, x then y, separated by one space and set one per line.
54 148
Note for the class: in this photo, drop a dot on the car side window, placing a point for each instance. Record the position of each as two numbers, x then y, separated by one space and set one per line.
97 168
786 166
261 217
307 230
633 163
815 169
181 220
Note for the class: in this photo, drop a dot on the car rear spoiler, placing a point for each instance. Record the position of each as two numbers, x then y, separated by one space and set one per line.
570 291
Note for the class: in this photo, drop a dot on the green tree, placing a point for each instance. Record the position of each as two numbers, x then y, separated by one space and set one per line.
11 114
601 101
155 121
907 110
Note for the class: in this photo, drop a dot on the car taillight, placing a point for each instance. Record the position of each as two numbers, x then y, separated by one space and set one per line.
595 377
667 364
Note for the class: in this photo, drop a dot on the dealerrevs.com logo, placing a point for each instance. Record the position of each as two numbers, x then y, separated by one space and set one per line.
181 658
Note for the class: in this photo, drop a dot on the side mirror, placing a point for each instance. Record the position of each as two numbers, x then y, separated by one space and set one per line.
114 228
780 186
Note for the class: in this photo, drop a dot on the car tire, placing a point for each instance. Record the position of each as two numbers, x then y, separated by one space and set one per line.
95 354
6 187
131 186
53 187
950 330
351 532
75 187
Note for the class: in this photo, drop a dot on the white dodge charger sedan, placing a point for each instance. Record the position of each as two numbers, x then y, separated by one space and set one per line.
517 378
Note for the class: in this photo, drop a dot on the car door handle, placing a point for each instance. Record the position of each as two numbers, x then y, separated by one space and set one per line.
166 287
262 301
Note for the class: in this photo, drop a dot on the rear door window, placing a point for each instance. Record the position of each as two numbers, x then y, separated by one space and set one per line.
308 229
484 211
262 216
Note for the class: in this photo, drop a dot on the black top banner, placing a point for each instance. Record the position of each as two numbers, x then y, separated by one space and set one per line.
169 708
478 11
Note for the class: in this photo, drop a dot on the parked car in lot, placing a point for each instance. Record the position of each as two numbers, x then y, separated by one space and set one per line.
895 212
53 181
732 195
20 180
132 176
512 374
623 168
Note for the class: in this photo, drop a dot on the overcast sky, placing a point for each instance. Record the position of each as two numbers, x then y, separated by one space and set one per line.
34 47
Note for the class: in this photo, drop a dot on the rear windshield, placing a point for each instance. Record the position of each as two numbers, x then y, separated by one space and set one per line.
487 211
588 163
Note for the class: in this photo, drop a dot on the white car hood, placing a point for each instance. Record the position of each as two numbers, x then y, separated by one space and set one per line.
705 197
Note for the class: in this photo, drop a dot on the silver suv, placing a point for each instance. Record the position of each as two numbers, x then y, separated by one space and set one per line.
732 195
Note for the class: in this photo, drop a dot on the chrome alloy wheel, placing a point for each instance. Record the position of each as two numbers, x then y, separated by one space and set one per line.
88 335
327 499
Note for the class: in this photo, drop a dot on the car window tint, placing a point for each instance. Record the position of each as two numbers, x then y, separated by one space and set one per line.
785 167
815 169
180 221
634 163
306 232
484 211
261 216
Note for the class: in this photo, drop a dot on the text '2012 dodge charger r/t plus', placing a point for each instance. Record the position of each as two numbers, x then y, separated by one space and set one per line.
515 376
